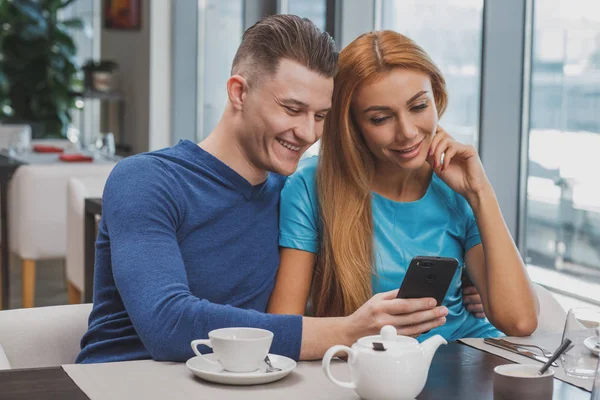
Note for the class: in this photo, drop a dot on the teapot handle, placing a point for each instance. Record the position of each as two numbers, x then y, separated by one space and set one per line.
327 361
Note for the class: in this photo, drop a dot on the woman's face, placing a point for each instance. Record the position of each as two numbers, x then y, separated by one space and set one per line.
397 117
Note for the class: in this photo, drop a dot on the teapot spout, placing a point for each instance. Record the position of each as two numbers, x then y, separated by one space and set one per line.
431 345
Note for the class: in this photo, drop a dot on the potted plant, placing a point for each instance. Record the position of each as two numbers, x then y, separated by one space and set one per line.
99 75
38 70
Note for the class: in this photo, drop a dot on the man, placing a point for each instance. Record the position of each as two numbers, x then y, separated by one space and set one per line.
188 237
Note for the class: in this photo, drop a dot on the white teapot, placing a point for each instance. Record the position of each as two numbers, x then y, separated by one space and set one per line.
386 366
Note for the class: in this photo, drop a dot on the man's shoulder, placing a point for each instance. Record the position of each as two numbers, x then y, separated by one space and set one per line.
139 165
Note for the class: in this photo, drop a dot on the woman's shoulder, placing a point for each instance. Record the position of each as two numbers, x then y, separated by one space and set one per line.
306 173
303 182
450 197
307 169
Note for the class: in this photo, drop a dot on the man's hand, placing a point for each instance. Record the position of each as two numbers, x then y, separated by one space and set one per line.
472 301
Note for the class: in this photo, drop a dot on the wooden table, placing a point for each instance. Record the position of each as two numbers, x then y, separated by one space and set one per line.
457 372
93 207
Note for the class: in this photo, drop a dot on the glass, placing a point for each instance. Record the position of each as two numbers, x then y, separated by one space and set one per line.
220 33
596 389
315 10
451 33
582 327
105 143
562 218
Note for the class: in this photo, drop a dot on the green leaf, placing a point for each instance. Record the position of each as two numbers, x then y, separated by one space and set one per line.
30 9
73 23
64 4
4 84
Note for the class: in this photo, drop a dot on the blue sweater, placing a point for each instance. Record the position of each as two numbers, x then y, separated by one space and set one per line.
185 246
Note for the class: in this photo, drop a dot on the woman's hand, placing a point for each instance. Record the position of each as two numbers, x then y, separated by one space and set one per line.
410 317
461 168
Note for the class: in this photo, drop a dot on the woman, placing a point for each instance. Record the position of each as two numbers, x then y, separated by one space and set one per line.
390 184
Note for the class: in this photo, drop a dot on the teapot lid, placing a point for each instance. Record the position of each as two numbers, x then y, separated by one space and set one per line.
388 339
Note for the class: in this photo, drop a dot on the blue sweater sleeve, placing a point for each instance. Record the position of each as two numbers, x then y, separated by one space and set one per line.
142 207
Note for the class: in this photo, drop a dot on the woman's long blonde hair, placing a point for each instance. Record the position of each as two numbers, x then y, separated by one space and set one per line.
343 272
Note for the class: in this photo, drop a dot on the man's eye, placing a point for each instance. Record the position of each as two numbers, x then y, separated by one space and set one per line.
292 110
320 117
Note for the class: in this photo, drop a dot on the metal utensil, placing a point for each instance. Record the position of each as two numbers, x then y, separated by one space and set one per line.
271 368
546 353
516 350
557 354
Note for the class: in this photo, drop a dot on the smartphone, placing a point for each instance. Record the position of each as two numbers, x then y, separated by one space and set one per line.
428 277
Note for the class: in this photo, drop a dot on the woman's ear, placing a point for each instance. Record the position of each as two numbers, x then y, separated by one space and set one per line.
237 89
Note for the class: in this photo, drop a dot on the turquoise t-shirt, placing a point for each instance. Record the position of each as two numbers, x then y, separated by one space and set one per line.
441 223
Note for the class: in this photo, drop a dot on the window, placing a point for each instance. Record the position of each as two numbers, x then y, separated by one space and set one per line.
562 221
450 32
315 10
221 25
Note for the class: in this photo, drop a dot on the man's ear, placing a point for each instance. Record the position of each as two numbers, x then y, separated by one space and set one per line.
237 90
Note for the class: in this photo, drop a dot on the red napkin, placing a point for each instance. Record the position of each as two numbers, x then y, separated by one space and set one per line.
76 158
43 148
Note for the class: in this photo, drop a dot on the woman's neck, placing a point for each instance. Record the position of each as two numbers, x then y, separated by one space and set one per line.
401 185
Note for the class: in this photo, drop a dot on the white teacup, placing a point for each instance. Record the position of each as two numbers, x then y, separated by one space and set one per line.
238 349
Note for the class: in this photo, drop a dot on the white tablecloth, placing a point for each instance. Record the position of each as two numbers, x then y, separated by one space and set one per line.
151 380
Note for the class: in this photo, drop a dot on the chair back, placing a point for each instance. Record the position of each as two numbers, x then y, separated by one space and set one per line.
78 189
43 336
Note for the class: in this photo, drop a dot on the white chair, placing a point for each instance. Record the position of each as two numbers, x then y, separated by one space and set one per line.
552 315
38 214
78 189
11 134
4 364
43 336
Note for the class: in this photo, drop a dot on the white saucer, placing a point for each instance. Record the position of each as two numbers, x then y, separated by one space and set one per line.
257 377
591 342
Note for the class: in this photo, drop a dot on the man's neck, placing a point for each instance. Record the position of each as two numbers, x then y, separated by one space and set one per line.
223 144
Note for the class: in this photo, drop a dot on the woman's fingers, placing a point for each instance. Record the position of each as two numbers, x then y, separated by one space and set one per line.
409 306
448 155
417 317
440 149
416 330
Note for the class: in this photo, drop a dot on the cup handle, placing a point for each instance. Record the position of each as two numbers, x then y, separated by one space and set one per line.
205 342
327 361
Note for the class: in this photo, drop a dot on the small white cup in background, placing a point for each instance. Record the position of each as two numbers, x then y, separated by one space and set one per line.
237 349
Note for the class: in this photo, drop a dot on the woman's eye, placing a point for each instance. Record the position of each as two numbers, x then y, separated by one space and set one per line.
420 107
379 121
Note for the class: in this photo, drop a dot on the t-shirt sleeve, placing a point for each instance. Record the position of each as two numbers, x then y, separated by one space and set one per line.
472 237
298 215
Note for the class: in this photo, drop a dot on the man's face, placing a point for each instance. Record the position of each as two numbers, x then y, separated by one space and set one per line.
284 115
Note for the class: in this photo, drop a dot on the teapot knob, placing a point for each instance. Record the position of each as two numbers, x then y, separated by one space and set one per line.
388 333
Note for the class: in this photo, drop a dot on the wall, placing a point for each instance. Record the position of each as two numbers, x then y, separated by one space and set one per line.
131 50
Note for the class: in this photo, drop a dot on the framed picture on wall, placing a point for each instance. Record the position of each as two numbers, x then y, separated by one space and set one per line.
122 14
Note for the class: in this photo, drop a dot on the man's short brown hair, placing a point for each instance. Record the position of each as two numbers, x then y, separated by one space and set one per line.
276 37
